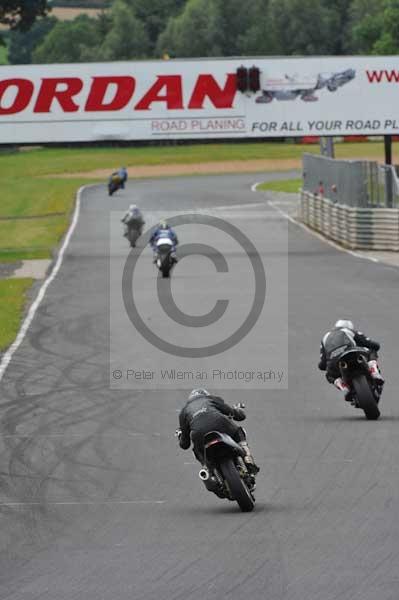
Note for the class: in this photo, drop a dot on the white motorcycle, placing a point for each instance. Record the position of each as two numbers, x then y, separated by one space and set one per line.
165 258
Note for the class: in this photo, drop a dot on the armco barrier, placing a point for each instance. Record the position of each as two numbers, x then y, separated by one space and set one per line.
355 228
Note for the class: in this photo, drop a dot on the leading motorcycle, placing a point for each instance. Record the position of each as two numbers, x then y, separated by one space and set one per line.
225 472
114 183
366 391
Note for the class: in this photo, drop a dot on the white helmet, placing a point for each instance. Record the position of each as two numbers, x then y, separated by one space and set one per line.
344 324
132 207
198 393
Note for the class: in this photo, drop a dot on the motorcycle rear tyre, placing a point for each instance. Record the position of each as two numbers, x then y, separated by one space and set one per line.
365 398
237 487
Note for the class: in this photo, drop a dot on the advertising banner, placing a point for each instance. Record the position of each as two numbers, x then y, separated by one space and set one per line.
190 99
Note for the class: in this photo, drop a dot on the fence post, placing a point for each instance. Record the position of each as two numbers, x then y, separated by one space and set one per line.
388 171
388 186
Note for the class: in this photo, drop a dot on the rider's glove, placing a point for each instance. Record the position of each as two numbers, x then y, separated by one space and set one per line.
178 434
239 405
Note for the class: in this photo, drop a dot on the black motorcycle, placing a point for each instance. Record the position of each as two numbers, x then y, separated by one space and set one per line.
164 256
133 230
225 472
366 391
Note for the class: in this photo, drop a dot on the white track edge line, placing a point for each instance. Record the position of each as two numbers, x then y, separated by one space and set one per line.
81 503
7 357
315 233
319 236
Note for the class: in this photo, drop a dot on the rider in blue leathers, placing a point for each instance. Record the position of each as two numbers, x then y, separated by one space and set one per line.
123 176
164 231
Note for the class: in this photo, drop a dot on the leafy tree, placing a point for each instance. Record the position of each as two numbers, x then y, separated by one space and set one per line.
389 41
365 25
366 34
154 14
197 31
337 17
104 23
22 44
377 29
66 41
257 38
236 17
300 27
21 14
127 37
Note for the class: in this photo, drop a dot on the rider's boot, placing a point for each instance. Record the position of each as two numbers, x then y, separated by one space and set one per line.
249 459
375 371
344 388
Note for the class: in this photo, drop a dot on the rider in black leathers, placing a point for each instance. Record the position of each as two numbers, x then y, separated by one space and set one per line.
337 341
203 413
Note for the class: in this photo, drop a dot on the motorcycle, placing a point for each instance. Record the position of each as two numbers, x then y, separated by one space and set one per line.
164 258
114 184
225 472
366 391
133 231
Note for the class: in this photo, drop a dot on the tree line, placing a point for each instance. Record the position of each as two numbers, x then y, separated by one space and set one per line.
139 29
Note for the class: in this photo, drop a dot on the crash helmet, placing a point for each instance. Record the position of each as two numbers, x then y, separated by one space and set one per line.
198 393
132 207
344 324
164 224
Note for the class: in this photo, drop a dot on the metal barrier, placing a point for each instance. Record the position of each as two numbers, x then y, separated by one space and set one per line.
353 183
388 185
347 182
353 227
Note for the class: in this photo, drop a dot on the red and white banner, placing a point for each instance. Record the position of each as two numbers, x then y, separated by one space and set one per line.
188 99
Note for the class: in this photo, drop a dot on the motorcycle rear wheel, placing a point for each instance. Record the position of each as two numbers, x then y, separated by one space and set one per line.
365 398
237 487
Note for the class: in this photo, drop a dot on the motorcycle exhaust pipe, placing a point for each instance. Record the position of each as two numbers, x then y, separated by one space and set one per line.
204 474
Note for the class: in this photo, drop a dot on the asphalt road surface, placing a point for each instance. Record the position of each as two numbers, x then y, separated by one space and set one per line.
98 503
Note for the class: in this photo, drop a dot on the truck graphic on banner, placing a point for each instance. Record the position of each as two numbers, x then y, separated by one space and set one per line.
292 87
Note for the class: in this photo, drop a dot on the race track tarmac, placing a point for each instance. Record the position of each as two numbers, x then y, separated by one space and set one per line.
97 502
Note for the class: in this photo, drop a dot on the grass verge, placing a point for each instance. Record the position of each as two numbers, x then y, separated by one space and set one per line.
34 215
290 186
50 161
13 293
